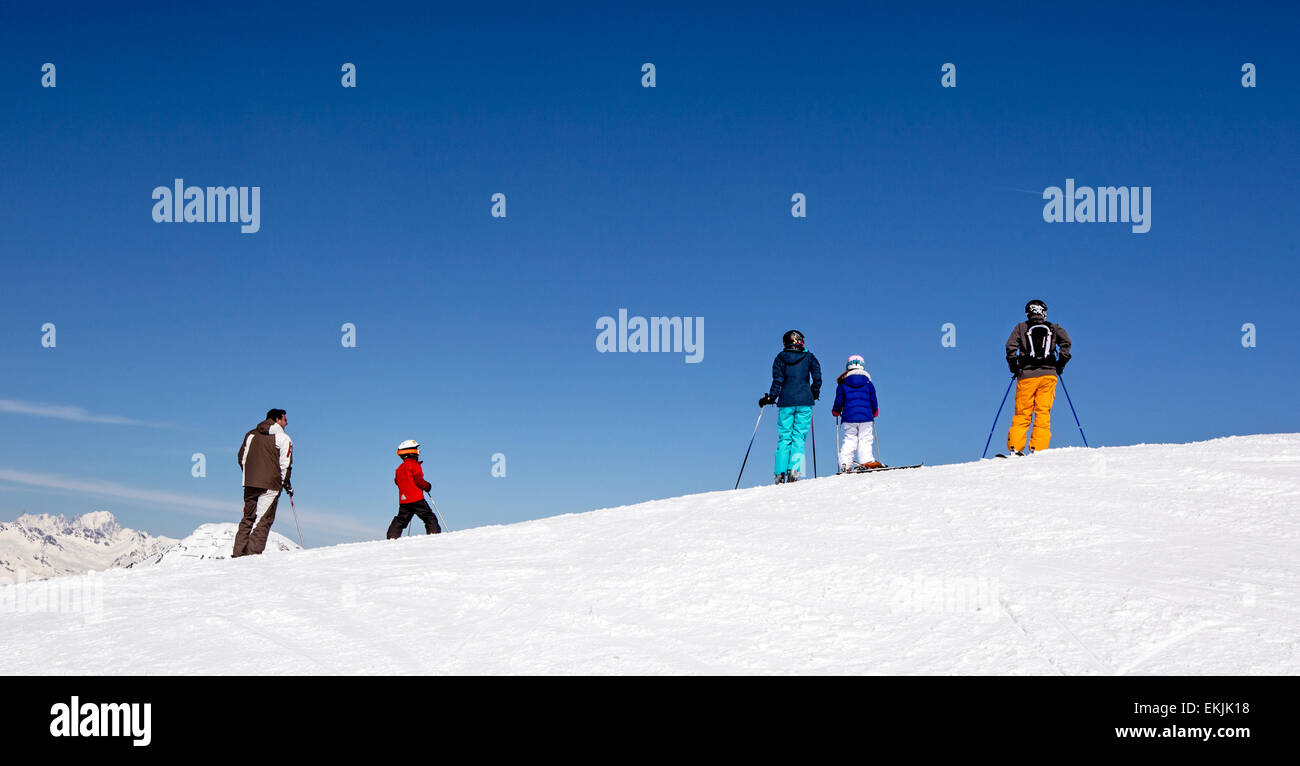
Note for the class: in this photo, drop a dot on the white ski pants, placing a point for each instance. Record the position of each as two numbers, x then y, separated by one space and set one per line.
859 437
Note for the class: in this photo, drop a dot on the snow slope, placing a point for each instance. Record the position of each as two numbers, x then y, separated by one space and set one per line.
1147 559
38 546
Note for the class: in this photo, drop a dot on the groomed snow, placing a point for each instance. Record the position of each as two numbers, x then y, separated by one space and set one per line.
1148 560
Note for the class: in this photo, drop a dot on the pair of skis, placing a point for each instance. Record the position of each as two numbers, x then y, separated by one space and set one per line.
875 445
882 468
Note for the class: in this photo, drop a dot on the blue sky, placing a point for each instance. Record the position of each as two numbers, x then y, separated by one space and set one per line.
477 335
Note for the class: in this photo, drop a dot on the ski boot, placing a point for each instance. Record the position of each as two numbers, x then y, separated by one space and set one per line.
780 479
873 464
791 477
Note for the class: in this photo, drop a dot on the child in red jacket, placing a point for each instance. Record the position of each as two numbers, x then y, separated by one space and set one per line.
411 487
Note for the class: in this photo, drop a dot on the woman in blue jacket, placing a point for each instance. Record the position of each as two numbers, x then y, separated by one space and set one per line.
796 384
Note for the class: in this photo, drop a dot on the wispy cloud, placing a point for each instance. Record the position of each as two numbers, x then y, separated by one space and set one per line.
207 508
69 412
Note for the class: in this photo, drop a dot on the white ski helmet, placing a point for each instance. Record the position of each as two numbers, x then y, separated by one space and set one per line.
409 447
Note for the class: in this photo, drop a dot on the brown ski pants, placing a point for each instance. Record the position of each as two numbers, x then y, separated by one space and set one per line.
250 540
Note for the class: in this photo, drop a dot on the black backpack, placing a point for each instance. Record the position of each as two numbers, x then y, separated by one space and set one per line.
1041 337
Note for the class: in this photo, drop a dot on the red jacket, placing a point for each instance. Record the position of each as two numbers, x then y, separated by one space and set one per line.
410 482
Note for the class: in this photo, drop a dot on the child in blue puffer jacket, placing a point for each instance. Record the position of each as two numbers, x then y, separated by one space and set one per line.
855 400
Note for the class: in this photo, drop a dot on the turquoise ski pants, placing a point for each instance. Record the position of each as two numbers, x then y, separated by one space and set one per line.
791 431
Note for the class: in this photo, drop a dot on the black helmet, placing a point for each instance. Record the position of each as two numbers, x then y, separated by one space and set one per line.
792 338
1036 309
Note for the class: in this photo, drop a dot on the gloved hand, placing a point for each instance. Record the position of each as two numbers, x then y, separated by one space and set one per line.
1060 365
875 414
1014 364
766 400
834 414
288 487
817 394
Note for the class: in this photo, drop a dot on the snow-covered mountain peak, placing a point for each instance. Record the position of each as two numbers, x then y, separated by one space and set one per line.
98 520
213 541
36 546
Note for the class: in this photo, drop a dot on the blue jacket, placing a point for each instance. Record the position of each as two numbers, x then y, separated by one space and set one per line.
855 399
791 371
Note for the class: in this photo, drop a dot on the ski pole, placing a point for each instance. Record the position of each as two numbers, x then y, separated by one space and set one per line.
437 514
995 418
750 447
812 429
837 444
1076 415
875 440
295 520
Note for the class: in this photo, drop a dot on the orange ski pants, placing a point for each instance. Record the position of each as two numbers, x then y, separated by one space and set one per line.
1034 397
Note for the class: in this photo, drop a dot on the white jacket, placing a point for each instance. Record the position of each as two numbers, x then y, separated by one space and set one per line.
285 445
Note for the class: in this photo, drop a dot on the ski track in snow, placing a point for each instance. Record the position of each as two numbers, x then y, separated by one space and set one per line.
1156 559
